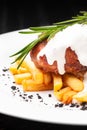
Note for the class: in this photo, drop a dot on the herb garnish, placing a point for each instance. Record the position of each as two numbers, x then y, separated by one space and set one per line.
47 32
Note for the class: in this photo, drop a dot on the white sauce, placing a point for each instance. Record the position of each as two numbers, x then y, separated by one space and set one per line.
74 36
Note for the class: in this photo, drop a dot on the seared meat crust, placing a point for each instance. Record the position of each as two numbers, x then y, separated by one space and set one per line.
73 65
42 63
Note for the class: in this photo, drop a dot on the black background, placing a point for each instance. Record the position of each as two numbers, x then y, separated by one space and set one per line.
20 14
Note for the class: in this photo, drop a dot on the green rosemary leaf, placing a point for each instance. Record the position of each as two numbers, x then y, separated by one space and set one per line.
28 32
67 22
42 28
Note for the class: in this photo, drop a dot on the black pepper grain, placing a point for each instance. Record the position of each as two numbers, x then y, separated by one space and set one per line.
13 87
56 105
61 104
84 108
72 105
5 69
39 97
30 96
49 95
45 103
3 74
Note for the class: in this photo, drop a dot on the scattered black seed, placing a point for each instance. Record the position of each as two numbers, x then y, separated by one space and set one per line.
77 105
61 104
45 103
20 95
39 97
25 94
84 108
30 96
23 97
18 90
56 105
26 100
4 70
72 105
13 82
49 95
13 87
3 74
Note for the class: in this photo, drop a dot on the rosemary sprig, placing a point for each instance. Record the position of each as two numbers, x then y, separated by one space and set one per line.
47 32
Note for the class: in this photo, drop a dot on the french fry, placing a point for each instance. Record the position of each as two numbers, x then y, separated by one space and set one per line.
29 65
59 94
20 77
13 69
57 82
31 85
24 65
47 78
73 82
67 97
81 96
37 74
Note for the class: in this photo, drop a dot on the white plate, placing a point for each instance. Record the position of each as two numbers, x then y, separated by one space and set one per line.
39 106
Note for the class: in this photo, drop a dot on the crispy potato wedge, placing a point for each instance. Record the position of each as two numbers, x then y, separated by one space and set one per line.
37 74
20 77
47 78
13 69
73 82
24 64
81 96
67 97
31 85
57 82
59 94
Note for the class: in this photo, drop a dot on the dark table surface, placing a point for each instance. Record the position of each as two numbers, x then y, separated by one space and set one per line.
15 15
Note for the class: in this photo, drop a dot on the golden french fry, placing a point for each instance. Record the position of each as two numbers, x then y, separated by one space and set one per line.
20 77
81 96
57 82
29 65
13 69
59 94
37 74
24 65
73 82
31 85
67 97
47 78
